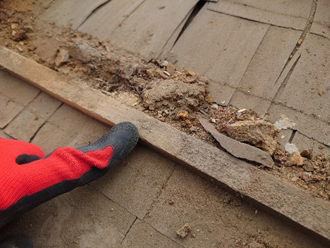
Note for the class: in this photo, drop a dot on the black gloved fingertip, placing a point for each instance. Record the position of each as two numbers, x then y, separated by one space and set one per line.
24 158
16 241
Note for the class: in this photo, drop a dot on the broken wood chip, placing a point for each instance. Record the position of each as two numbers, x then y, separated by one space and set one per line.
183 231
62 57
321 92
238 149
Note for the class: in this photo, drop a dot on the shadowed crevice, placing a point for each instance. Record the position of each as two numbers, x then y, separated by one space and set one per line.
129 229
92 12
285 81
192 14
303 35
292 136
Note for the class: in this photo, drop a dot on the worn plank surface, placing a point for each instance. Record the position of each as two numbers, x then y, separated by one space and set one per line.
220 47
143 235
79 219
321 24
243 99
268 62
290 14
73 12
105 20
309 81
215 216
302 142
16 90
310 126
143 168
147 29
14 97
8 111
270 192
29 120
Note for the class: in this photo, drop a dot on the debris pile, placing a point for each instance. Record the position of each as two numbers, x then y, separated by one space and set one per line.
305 170
160 86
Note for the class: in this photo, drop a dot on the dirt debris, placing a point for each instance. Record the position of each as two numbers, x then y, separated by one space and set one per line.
321 92
171 94
291 148
255 244
307 153
295 160
260 133
184 231
183 115
84 51
308 166
284 123
18 35
312 174
62 57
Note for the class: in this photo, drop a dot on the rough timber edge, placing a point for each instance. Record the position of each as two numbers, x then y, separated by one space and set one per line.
272 194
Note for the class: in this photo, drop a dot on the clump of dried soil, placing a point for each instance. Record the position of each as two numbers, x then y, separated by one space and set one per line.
171 94
259 133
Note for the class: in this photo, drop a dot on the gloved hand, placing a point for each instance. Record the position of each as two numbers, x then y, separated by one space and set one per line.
27 178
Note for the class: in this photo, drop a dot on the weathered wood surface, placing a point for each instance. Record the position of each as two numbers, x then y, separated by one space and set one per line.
272 193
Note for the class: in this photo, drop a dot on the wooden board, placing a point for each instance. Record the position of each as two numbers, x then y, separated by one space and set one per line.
147 29
219 47
290 14
268 62
105 20
73 12
307 90
14 96
321 24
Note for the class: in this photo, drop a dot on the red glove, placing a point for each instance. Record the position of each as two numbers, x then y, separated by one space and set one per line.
27 179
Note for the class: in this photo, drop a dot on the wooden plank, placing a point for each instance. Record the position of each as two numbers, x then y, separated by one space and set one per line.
147 29
104 21
310 126
220 47
166 53
9 109
290 14
27 123
73 12
243 99
272 193
268 62
321 24
302 142
307 89
14 96
15 89
221 92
